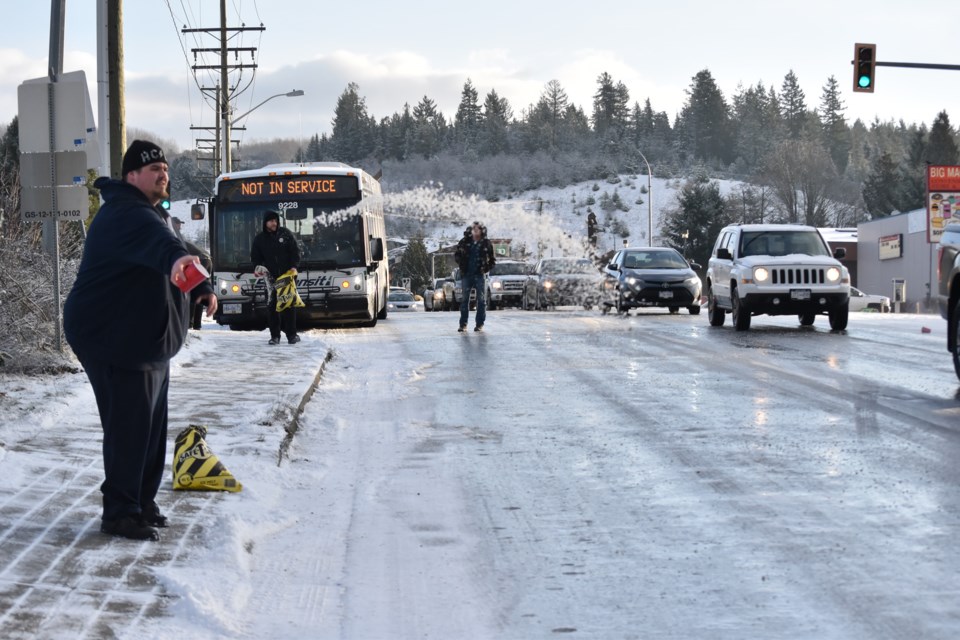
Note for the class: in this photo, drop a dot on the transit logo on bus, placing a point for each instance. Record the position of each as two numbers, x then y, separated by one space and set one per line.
276 188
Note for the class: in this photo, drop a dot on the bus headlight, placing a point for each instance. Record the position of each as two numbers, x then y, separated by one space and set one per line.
833 274
760 274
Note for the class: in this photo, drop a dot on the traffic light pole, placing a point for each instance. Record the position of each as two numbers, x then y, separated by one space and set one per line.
919 65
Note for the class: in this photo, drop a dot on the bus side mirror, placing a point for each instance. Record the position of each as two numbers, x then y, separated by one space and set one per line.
198 211
376 249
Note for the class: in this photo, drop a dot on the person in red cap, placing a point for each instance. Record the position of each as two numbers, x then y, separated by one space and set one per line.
125 319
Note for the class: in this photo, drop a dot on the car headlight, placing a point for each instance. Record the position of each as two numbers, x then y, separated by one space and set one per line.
548 284
632 281
694 281
760 274
496 284
833 274
438 294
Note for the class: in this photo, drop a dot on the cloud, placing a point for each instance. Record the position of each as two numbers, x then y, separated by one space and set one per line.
169 103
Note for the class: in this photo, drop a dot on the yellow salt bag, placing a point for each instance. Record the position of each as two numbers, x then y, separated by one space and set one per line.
196 468
287 295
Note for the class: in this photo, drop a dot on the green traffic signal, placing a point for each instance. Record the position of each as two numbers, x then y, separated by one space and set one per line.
864 65
165 204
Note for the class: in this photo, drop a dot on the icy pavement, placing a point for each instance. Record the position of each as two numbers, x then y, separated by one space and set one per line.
563 474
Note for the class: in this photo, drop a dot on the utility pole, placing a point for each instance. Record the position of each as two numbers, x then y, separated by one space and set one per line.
224 93
221 145
115 98
51 227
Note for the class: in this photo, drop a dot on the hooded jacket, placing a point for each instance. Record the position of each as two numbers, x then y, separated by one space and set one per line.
278 250
462 253
123 310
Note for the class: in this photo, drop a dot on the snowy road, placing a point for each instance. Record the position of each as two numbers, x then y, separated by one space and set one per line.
563 474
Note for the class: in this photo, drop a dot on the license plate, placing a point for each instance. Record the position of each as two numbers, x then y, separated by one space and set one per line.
232 309
800 294
666 295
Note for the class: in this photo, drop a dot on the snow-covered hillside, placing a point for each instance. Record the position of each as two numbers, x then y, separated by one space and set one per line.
557 227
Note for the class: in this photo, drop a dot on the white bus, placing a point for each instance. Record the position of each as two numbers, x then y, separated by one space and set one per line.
336 214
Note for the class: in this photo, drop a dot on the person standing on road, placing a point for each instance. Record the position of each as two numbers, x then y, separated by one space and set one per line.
125 320
474 256
276 249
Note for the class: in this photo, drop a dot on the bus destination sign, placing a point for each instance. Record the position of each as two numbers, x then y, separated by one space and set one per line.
276 188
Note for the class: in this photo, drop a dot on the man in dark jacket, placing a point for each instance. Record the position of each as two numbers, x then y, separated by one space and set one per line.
125 320
474 255
276 249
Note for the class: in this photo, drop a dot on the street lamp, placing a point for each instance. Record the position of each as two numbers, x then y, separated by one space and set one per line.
227 164
649 199
296 93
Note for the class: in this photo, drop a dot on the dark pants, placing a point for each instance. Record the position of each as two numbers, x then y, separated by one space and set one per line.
133 412
285 320
478 282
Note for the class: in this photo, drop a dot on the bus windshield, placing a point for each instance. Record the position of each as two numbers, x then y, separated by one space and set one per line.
329 232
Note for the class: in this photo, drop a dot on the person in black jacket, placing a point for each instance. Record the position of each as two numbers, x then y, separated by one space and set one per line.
276 249
475 258
125 319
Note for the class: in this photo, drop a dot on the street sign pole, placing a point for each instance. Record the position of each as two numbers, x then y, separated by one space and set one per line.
51 227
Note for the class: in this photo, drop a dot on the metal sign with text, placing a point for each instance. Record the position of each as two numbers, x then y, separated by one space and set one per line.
943 199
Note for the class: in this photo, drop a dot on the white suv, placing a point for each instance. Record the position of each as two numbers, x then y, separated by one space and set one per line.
778 270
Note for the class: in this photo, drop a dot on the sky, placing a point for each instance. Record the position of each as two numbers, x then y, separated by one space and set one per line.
400 51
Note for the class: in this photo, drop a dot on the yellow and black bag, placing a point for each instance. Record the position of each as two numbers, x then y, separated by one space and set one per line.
287 295
195 467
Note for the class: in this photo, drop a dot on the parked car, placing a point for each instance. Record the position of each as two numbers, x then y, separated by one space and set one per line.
505 283
403 301
651 277
562 281
433 296
860 301
948 293
776 269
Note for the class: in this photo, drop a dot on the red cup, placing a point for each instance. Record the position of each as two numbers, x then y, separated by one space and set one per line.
193 274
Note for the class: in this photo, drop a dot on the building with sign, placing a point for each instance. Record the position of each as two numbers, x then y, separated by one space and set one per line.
896 248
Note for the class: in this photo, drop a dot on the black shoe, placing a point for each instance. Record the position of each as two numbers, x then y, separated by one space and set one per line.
152 517
293 340
130 527
478 328
462 328
274 341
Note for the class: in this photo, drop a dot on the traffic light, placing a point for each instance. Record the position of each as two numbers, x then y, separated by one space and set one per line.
864 65
165 204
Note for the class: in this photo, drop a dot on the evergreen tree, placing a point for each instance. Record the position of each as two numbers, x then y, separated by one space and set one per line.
793 106
313 153
352 137
705 120
429 127
836 134
469 118
701 215
415 264
496 118
880 189
610 108
941 145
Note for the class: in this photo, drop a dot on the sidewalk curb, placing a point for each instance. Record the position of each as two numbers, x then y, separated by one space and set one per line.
294 425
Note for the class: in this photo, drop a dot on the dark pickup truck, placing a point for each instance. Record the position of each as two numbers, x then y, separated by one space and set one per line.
948 295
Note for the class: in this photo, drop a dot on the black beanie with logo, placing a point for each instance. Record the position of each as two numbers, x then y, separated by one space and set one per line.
140 154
